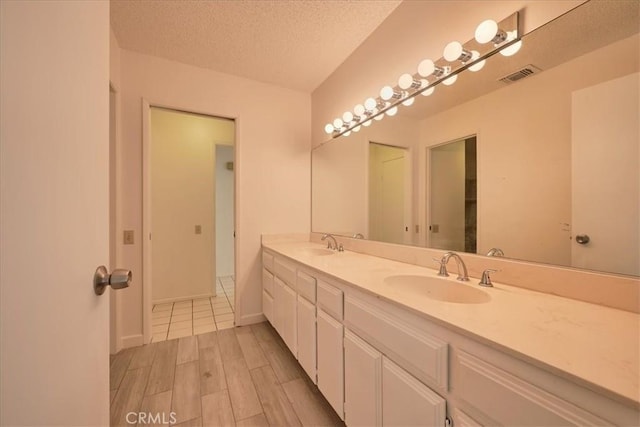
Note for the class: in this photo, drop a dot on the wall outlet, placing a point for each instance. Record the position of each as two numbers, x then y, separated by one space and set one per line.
128 237
198 229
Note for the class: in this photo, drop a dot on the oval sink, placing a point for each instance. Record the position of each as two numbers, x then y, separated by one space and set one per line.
318 251
438 289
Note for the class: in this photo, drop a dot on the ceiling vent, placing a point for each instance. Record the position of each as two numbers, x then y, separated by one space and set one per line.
526 71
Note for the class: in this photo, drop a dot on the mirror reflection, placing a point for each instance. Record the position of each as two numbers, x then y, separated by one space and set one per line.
552 175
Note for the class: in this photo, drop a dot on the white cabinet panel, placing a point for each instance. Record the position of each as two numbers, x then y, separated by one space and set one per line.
408 402
306 286
278 304
267 281
330 299
289 319
267 306
285 270
307 337
331 361
267 261
362 382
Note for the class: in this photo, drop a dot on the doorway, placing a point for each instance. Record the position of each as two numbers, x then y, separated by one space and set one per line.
452 196
190 217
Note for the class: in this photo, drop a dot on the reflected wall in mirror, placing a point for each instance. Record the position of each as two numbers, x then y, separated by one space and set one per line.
557 152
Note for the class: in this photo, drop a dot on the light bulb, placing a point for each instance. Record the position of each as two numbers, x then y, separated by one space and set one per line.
359 110
454 51
356 129
347 133
426 68
337 124
408 102
486 31
392 111
429 91
386 93
478 65
328 128
379 117
450 80
511 50
347 117
367 123
370 104
406 81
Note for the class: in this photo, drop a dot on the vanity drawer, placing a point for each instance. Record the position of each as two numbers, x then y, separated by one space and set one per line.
420 353
509 400
267 281
306 286
267 261
285 271
330 299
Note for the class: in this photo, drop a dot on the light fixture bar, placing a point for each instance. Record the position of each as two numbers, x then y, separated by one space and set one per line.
471 54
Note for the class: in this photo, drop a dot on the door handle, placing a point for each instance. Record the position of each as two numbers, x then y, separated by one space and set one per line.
118 279
582 239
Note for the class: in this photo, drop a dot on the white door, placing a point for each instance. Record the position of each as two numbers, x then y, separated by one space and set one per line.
362 382
289 323
331 361
54 156
307 337
606 176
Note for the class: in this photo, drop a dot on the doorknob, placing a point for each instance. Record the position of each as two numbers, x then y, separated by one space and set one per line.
118 279
582 239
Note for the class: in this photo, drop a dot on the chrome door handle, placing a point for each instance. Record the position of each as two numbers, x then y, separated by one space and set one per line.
118 279
582 239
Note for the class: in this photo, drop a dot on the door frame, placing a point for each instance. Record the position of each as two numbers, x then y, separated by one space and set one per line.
147 303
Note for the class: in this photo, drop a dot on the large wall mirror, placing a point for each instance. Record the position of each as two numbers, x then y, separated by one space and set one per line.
535 157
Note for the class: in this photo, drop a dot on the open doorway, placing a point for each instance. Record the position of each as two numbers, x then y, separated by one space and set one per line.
190 217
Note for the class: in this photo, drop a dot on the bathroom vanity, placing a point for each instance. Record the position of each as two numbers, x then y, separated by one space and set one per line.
391 343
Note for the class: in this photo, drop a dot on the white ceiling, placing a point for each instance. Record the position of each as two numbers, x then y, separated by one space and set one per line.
295 44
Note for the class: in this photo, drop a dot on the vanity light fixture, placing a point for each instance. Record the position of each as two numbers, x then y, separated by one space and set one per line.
490 38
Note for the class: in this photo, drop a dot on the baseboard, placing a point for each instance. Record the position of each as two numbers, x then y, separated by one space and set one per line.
178 299
250 319
131 341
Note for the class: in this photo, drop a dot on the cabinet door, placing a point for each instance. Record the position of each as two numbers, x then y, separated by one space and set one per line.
278 306
362 382
267 306
307 337
289 319
331 361
406 401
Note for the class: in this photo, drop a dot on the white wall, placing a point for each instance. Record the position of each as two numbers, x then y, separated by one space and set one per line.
183 183
224 211
272 161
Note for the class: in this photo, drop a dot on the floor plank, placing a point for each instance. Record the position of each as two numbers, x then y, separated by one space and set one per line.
284 365
129 396
255 421
196 422
253 353
242 392
216 409
311 408
143 356
275 404
187 349
163 367
119 366
156 410
186 392
229 346
207 340
212 378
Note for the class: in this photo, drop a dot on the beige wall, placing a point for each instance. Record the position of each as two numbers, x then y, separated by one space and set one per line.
183 178
273 191
414 31
524 157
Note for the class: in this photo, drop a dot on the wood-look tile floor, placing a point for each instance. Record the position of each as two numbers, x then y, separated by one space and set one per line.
242 376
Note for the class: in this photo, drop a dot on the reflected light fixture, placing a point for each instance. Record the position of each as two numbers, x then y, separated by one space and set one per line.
490 37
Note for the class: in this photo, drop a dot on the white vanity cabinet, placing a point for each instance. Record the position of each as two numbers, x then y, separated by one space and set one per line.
307 337
285 302
330 342
267 286
362 382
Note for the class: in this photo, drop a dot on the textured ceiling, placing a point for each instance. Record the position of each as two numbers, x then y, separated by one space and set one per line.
295 44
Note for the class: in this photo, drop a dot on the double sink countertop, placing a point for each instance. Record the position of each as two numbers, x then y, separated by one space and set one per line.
592 343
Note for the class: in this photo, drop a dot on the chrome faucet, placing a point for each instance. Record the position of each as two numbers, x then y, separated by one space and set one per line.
358 236
329 246
463 277
495 252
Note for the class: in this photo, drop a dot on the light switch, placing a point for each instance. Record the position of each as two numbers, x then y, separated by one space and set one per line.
198 229
128 237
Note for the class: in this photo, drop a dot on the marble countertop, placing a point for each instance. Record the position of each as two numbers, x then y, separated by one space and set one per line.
593 343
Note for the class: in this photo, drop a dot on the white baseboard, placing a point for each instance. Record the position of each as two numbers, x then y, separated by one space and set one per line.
250 319
131 341
178 299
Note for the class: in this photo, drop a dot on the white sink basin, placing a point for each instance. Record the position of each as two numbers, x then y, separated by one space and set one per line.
318 251
438 289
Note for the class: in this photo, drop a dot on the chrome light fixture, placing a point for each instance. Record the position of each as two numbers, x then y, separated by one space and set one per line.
490 38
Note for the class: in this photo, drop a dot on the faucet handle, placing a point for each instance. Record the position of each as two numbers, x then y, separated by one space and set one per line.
443 267
486 277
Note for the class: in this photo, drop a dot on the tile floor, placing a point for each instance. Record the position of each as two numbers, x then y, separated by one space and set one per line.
243 376
198 316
